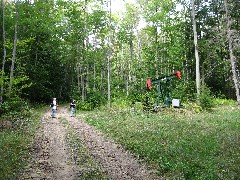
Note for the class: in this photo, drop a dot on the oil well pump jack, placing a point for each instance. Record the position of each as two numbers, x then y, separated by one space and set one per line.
164 88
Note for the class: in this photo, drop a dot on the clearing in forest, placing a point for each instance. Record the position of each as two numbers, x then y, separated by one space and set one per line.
54 156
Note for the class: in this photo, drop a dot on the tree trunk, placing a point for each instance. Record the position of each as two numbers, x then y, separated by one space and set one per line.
87 69
196 50
82 83
4 52
156 54
131 46
14 53
78 69
231 53
129 68
109 80
94 74
109 63
139 61
94 64
87 79
156 48
83 51
122 70
126 75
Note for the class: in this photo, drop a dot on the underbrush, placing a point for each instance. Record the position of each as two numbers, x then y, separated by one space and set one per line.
15 140
178 143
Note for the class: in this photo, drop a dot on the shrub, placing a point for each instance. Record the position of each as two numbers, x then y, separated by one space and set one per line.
184 90
14 107
94 99
206 99
220 101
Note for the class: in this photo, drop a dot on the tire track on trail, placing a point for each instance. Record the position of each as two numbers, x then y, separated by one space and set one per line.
117 162
51 158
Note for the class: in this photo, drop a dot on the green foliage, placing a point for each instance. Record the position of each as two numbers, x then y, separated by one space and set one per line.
94 99
14 107
136 95
193 107
184 90
179 145
206 98
15 144
53 52
120 102
207 101
220 101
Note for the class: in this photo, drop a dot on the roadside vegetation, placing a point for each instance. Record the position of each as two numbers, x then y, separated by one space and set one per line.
16 135
179 143
192 142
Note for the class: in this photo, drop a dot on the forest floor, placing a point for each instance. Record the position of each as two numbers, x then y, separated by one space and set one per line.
53 156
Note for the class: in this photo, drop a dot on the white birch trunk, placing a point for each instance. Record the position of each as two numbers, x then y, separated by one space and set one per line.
78 69
232 56
109 79
156 49
156 54
82 83
13 54
83 52
109 64
87 78
94 64
78 77
127 66
196 50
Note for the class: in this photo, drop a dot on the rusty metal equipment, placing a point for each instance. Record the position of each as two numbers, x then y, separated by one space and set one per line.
164 88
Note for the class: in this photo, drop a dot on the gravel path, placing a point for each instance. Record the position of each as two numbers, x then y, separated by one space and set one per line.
51 156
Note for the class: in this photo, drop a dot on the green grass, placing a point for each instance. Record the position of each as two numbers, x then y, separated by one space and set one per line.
15 145
179 145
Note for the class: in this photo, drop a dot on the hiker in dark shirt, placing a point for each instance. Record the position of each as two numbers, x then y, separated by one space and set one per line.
72 108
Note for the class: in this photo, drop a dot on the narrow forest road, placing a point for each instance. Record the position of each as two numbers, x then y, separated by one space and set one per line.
51 153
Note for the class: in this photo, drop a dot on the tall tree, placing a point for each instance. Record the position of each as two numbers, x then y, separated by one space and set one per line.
196 49
84 46
109 55
14 49
4 52
233 58
129 24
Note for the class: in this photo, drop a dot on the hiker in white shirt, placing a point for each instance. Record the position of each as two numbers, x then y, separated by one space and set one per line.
54 108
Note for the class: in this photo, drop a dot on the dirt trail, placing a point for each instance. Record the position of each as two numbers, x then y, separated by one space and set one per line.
52 159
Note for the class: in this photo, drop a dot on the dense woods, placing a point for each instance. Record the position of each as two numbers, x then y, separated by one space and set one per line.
111 62
84 50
